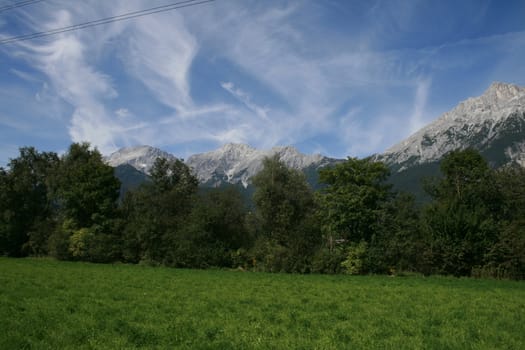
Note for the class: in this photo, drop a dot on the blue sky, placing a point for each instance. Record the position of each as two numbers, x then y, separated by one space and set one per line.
341 78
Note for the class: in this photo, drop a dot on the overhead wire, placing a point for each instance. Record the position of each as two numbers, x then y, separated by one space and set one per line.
18 4
125 16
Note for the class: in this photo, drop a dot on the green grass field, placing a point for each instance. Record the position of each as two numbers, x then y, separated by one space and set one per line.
46 304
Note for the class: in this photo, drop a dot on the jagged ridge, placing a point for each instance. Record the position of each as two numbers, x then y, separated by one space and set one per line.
232 163
237 163
479 122
139 157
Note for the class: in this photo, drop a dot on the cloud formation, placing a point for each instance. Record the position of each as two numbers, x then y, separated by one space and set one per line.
345 77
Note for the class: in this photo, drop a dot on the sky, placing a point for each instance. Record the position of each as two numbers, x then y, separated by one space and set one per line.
340 78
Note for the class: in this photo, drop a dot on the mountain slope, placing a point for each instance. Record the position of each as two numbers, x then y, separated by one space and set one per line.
130 178
493 123
139 157
237 163
231 164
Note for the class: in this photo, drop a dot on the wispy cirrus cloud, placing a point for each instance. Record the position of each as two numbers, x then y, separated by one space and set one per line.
159 54
246 100
263 73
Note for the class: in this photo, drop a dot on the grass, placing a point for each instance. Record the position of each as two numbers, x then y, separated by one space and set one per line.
46 304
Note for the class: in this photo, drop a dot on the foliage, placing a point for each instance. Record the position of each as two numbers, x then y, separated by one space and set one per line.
68 208
156 215
328 261
354 263
217 226
85 193
351 203
85 188
25 208
399 243
285 214
462 222
79 243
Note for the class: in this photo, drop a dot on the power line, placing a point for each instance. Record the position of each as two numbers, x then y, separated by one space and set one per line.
129 15
18 4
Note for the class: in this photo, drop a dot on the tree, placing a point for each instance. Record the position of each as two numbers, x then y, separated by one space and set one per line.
352 202
462 222
157 213
216 227
285 209
25 210
86 189
399 243
506 257
85 192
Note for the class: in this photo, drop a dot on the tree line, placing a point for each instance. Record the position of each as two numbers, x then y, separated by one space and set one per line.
69 207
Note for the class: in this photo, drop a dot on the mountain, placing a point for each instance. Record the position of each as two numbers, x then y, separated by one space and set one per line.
237 163
139 157
493 124
130 178
231 164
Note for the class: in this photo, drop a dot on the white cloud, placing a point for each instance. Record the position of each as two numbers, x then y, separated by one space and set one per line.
24 76
287 86
123 113
417 119
160 51
246 100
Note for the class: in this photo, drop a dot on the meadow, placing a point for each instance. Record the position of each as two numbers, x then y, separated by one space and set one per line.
48 304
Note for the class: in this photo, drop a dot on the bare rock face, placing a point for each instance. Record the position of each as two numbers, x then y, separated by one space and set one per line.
493 123
232 163
141 158
237 163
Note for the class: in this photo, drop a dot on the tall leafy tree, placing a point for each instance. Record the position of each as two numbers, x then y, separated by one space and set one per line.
157 212
217 227
399 244
85 187
25 209
352 202
506 258
463 219
285 209
85 192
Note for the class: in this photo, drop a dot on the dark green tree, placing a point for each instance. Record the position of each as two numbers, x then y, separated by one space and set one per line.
285 209
85 188
462 222
506 258
85 192
157 213
26 219
352 202
398 245
216 227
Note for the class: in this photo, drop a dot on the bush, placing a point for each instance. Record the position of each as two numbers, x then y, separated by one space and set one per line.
328 261
79 243
354 262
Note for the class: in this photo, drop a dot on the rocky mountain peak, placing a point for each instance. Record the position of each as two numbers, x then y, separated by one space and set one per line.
141 158
237 163
502 92
478 122
233 151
